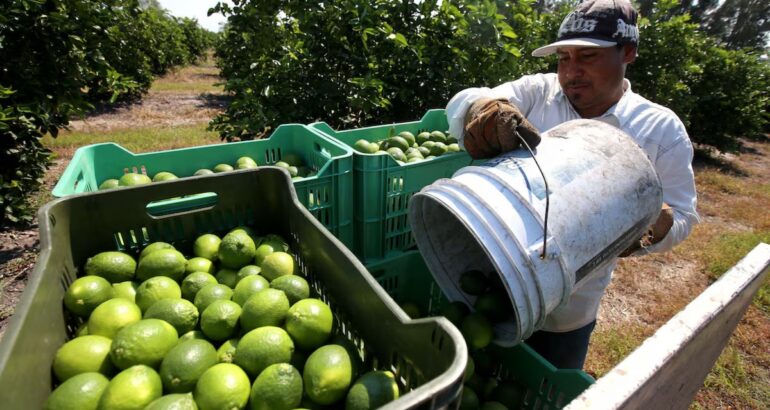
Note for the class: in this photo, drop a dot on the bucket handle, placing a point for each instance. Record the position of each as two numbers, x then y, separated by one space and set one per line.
547 193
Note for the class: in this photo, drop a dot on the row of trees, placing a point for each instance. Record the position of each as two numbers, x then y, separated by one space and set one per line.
359 62
61 58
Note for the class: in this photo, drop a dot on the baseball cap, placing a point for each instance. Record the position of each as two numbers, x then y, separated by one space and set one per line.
596 23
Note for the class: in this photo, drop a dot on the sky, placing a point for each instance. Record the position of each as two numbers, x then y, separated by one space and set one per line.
196 9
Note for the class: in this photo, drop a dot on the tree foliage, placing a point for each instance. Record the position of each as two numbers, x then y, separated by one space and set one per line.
356 62
60 58
720 94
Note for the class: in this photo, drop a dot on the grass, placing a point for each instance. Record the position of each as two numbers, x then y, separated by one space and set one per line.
609 347
137 139
738 379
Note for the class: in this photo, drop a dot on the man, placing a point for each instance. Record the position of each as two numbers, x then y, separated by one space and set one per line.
595 44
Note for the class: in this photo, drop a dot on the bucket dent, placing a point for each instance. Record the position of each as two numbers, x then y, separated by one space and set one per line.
603 193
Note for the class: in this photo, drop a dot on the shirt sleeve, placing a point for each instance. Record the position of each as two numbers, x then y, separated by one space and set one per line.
674 167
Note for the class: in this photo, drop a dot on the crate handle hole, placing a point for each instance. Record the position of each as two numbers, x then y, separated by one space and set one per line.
182 205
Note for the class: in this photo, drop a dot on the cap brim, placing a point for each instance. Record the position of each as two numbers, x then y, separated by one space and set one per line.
572 42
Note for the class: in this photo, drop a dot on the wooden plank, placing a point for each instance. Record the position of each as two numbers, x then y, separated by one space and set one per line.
668 368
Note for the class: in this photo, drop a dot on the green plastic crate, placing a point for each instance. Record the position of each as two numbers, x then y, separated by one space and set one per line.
383 187
428 356
407 279
327 194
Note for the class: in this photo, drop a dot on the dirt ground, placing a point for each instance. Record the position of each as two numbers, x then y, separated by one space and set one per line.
186 96
644 294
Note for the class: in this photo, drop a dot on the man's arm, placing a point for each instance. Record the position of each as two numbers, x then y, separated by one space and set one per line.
674 168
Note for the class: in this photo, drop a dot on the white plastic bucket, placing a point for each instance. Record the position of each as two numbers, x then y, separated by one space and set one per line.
604 193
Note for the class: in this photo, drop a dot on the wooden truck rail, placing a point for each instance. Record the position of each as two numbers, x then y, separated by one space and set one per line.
669 368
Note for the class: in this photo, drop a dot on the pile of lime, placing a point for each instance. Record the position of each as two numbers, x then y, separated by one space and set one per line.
407 148
234 324
482 388
291 162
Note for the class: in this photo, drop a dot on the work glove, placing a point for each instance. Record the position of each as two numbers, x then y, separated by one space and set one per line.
655 233
492 127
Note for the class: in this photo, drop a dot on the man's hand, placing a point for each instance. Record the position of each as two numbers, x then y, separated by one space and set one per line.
491 128
655 233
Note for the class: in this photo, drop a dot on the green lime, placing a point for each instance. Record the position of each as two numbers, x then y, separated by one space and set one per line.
163 262
155 246
111 316
222 386
278 387
453 147
236 250
132 178
508 394
470 368
144 342
222 168
455 312
266 248
81 392
113 266
356 361
207 246
309 323
86 293
372 390
164 176
180 313
82 330
248 270
194 282
227 277
469 400
247 287
494 305
133 388
82 355
437 136
185 363
268 307
192 335
203 171
477 331
246 160
474 282
422 137
125 290
211 293
295 287
277 264
220 320
198 264
262 347
408 136
173 402
109 184
155 289
226 352
327 374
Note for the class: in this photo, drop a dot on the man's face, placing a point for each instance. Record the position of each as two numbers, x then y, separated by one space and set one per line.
592 77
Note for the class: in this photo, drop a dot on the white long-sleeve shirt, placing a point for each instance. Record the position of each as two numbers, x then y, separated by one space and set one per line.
655 128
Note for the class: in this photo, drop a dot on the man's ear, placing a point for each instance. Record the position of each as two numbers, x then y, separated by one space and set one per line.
629 53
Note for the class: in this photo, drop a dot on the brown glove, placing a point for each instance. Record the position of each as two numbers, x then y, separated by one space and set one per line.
492 127
656 232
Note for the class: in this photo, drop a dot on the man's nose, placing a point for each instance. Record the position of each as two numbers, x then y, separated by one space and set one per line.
572 69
